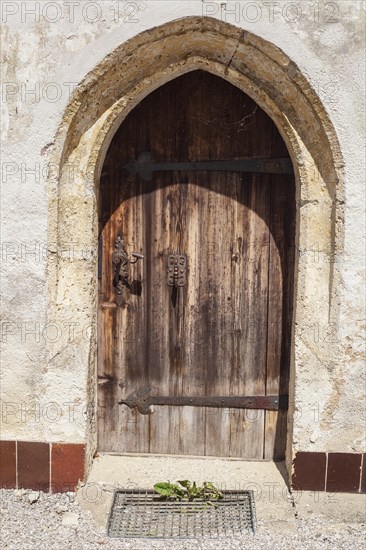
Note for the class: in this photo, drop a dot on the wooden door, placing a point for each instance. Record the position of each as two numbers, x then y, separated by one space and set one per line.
227 331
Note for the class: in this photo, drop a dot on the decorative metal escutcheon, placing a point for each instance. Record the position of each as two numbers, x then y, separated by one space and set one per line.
177 270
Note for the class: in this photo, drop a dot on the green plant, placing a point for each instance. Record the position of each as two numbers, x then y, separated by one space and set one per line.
187 490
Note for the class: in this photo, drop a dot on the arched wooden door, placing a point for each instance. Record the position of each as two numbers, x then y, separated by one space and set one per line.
224 328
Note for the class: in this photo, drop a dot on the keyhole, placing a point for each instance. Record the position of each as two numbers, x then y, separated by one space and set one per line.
174 296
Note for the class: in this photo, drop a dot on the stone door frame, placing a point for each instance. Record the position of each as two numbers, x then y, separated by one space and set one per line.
99 105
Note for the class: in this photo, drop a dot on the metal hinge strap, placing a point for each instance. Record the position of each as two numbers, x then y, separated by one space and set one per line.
143 400
144 166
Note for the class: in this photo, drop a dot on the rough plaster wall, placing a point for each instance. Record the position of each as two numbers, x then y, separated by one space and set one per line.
43 399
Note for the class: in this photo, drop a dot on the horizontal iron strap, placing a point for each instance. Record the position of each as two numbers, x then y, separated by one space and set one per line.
143 401
144 165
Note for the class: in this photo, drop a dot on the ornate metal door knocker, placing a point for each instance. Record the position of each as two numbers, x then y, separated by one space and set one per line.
120 263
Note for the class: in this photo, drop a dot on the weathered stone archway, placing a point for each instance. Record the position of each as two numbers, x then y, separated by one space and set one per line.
99 105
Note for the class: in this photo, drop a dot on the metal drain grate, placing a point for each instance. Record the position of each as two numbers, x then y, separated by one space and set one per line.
142 514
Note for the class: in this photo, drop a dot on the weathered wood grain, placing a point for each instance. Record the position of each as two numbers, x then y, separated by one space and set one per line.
223 333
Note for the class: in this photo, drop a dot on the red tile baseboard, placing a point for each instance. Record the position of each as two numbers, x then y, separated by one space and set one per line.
331 472
58 467
344 473
55 467
8 472
33 465
309 471
67 466
363 474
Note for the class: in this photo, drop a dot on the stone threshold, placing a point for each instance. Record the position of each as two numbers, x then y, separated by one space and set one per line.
115 471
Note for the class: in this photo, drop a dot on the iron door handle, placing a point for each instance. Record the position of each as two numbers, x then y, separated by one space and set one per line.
120 264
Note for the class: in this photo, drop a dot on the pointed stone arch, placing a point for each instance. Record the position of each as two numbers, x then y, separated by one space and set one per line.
99 105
